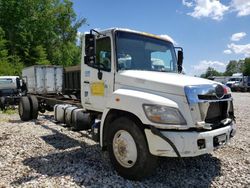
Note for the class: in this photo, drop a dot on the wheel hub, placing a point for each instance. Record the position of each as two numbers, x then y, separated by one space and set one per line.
124 148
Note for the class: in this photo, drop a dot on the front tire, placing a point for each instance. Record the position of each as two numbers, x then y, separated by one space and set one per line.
128 150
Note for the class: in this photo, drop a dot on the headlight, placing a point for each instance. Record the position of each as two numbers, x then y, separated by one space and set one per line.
227 90
236 84
164 114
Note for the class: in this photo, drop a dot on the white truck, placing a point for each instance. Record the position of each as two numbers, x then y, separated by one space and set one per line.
11 89
239 82
235 80
138 109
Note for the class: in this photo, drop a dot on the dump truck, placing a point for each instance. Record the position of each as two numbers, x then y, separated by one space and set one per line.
129 91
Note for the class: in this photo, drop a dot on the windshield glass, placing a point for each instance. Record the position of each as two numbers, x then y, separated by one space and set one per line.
139 52
235 79
5 80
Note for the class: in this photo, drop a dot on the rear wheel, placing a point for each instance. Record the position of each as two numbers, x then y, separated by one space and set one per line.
2 103
24 109
34 106
128 150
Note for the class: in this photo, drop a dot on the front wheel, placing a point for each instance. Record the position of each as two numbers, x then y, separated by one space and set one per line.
128 150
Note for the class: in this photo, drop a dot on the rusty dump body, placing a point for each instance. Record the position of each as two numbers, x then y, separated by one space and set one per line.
72 81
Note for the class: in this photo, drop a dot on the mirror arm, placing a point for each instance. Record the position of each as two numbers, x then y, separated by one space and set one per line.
177 47
99 74
99 34
91 53
180 58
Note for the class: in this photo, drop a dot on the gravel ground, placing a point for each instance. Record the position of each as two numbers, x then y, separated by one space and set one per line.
43 154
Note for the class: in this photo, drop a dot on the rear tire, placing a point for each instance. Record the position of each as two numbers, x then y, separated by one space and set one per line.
34 106
128 150
24 109
2 103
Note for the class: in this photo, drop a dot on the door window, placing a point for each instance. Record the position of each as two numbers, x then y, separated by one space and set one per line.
103 54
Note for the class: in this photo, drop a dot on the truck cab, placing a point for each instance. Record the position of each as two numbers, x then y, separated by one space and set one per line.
147 107
10 90
235 81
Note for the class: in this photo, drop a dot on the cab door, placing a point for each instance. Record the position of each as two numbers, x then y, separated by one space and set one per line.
96 91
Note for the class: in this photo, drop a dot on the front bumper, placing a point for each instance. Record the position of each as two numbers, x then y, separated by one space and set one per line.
186 142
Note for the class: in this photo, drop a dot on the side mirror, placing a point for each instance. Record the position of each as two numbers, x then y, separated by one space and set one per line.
90 46
180 60
18 83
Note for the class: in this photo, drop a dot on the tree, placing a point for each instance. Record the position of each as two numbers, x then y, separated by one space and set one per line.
210 72
246 70
7 68
234 67
3 53
231 68
40 31
3 50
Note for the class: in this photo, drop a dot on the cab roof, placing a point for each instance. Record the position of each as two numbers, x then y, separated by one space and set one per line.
9 77
110 30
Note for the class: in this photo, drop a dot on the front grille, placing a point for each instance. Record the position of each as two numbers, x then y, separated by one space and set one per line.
217 112
212 97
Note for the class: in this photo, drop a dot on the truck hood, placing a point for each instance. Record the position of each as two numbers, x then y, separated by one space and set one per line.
171 83
232 82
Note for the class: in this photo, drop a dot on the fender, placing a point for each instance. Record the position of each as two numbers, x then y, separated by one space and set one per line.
132 101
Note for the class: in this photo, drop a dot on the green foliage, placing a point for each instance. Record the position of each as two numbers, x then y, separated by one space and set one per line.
3 50
11 66
210 72
241 66
6 67
234 67
231 68
9 111
39 55
38 32
246 70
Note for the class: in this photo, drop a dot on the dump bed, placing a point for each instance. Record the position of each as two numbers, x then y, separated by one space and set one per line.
72 81
43 79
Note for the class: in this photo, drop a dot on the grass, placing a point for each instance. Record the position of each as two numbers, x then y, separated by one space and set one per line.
9 111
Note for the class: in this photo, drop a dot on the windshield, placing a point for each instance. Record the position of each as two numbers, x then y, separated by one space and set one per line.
5 80
139 52
235 79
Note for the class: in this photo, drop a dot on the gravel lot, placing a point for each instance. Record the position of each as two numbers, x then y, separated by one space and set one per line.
43 154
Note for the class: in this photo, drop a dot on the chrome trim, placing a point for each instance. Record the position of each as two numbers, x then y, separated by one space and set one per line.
192 93
199 107
207 126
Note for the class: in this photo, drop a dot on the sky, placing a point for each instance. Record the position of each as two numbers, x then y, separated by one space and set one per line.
211 32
